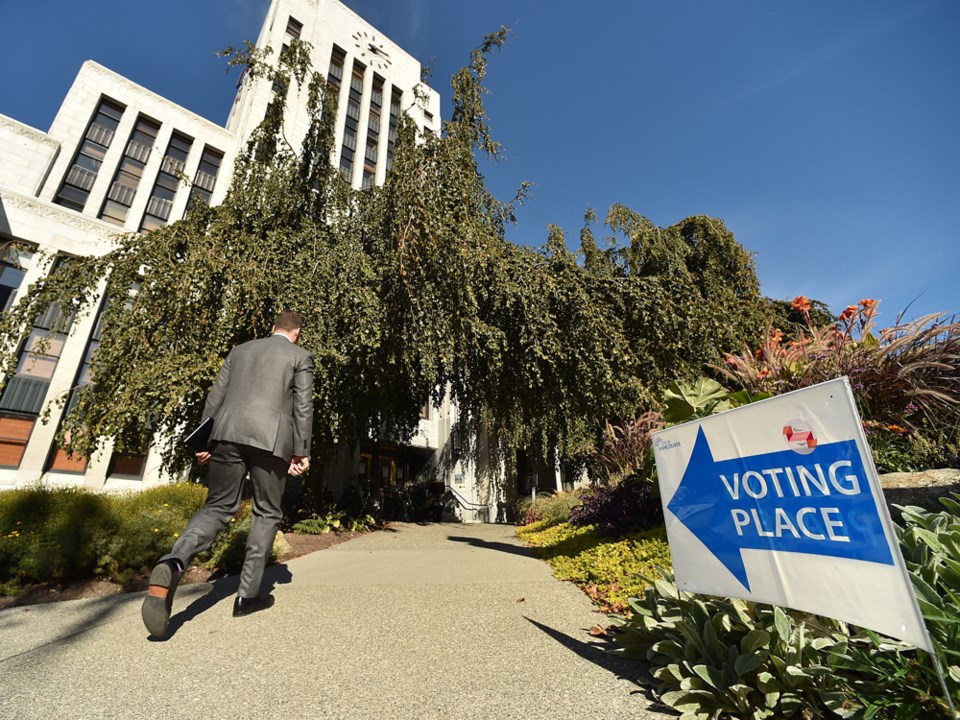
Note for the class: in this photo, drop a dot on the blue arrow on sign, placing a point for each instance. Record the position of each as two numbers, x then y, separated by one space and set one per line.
819 503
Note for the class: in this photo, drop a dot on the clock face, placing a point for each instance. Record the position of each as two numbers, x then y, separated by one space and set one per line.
370 50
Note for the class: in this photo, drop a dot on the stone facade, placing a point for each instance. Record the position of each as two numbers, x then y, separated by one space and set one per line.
922 489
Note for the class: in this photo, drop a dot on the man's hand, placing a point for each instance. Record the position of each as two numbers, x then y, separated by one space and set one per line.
298 465
203 458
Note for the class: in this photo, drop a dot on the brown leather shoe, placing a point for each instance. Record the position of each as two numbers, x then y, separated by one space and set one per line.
245 606
159 600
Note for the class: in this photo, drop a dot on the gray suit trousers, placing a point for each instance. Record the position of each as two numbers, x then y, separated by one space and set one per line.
229 464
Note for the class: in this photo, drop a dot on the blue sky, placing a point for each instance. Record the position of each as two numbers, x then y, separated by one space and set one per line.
826 134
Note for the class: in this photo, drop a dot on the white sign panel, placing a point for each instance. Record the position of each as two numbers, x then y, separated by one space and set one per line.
779 502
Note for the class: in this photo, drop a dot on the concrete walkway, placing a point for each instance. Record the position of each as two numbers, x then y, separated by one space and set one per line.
428 622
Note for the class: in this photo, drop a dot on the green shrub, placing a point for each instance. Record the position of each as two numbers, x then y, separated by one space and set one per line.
364 523
148 523
320 524
608 571
230 546
720 658
553 507
67 533
48 533
533 529
333 520
892 448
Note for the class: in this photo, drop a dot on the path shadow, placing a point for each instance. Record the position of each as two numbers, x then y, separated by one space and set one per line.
500 546
624 668
96 612
224 587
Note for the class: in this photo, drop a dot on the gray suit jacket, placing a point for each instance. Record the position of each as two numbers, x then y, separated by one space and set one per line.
263 397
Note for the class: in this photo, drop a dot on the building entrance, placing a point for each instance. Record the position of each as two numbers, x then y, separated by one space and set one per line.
387 474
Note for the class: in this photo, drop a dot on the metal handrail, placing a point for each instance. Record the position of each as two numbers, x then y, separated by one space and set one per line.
465 504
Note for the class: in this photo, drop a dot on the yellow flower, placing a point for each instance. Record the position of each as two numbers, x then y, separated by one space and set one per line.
156 530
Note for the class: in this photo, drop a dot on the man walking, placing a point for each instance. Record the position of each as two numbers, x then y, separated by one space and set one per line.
262 409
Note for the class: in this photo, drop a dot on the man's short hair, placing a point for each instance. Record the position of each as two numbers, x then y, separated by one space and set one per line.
288 320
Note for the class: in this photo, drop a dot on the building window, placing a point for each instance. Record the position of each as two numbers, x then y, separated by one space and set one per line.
206 177
373 134
123 465
387 471
395 99
352 121
127 466
59 460
279 86
294 28
14 261
26 389
335 73
127 178
168 180
79 179
363 467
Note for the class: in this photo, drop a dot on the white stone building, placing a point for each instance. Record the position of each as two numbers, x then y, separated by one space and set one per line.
114 160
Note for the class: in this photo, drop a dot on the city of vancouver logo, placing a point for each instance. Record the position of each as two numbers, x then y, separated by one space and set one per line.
661 444
799 436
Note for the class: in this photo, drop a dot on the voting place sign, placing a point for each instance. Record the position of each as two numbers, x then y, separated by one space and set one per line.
779 502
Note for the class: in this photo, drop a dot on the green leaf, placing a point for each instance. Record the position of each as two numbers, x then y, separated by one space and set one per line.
754 640
746 664
782 623
790 704
767 682
841 704
685 401
745 397
707 674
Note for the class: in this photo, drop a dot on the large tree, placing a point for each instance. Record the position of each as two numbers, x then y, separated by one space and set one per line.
410 291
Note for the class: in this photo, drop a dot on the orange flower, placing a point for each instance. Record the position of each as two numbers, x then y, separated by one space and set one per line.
848 313
897 429
869 308
801 303
764 372
776 337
